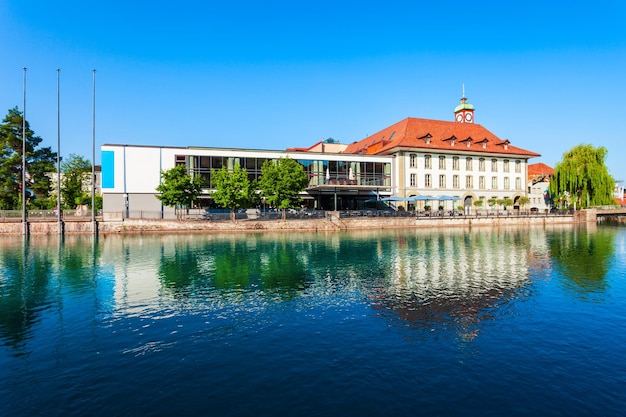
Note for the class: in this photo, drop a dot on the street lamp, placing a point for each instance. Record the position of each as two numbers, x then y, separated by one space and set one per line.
24 224
60 228
93 156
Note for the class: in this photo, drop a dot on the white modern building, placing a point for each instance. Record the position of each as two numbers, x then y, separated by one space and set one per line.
130 175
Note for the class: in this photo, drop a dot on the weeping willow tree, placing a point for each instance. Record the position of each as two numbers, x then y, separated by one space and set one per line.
582 178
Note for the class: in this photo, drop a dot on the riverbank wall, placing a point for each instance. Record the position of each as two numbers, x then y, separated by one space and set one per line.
332 222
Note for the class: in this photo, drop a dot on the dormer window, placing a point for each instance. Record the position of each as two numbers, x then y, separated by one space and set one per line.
468 141
505 144
451 139
426 138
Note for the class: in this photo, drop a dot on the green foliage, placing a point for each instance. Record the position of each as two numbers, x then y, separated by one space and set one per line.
85 200
281 183
492 202
523 201
584 258
507 202
178 188
583 178
478 203
39 162
233 189
76 174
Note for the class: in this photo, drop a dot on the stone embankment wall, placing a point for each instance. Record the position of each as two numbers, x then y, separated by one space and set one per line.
331 223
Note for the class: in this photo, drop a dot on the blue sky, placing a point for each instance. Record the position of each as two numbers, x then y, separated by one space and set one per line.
547 75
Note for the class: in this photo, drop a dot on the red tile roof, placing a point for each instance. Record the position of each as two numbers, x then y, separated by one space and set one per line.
303 149
436 135
539 169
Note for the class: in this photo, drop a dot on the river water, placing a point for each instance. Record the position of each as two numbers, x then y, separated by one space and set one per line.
481 322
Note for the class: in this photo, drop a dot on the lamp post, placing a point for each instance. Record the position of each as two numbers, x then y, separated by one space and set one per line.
24 224
93 156
60 225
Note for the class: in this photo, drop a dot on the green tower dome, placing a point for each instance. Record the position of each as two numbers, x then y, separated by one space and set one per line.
463 106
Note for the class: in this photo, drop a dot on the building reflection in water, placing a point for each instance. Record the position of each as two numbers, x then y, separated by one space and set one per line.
455 279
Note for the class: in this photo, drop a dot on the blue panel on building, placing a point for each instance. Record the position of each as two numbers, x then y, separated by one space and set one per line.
108 169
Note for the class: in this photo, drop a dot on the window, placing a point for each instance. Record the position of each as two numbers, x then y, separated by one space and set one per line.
518 166
455 181
494 165
469 182
442 181
481 182
427 161
427 181
413 160
455 163
494 183
518 183
481 164
413 180
442 162
468 164
506 183
505 165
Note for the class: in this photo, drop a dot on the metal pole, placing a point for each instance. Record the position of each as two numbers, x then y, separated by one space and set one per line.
24 225
93 155
59 150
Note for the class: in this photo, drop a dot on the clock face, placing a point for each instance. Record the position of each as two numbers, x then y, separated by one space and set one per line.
468 117
459 117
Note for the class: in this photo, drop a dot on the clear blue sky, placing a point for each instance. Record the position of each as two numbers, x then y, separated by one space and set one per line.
547 75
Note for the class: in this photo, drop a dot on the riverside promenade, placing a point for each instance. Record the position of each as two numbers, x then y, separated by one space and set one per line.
328 222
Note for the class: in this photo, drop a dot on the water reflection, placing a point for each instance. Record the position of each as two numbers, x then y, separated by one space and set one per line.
232 263
455 281
583 257
427 279
23 290
36 273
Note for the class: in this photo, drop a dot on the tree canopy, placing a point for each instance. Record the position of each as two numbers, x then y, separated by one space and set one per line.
281 182
76 171
39 162
583 178
178 188
233 189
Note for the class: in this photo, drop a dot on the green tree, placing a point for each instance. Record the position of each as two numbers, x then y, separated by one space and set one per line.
523 201
492 202
583 175
75 172
179 189
281 182
478 204
39 162
233 189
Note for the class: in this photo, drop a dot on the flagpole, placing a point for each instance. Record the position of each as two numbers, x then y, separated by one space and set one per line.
60 226
24 224
93 156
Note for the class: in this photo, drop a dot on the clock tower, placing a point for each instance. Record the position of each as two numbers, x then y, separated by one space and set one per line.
464 112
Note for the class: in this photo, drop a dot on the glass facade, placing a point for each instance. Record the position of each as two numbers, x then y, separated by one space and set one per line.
320 172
